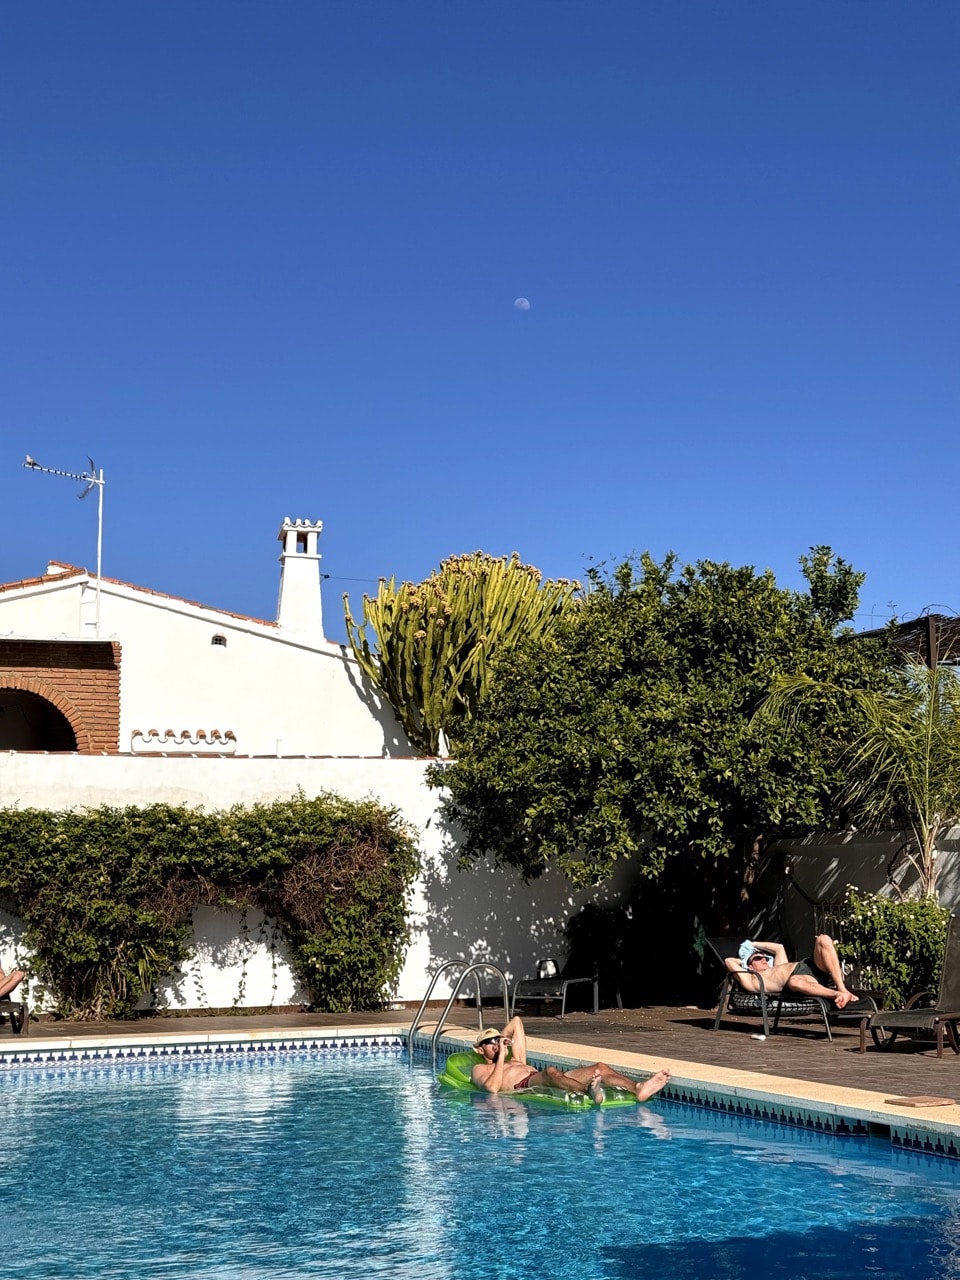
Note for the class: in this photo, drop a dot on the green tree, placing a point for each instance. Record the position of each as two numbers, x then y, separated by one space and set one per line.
436 640
630 731
903 762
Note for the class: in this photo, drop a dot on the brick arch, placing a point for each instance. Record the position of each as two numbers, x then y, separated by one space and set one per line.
78 680
49 693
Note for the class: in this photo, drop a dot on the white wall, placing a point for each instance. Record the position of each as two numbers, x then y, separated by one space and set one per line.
821 867
278 696
238 960
50 609
484 913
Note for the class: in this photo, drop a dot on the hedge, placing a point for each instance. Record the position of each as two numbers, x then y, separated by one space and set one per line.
106 895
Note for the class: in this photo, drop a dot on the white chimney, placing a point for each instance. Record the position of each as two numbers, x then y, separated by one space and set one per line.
300 610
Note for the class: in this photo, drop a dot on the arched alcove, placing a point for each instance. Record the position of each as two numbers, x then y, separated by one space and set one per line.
29 722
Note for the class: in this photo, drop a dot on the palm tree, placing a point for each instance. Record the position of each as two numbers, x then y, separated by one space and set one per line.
904 767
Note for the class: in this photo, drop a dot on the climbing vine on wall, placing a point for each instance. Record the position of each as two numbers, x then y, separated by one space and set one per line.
106 895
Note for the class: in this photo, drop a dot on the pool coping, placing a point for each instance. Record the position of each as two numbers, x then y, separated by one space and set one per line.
781 1099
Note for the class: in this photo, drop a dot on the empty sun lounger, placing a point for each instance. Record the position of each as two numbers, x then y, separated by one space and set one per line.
553 988
924 1015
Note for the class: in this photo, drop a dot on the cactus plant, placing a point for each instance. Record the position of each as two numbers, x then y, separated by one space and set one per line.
436 640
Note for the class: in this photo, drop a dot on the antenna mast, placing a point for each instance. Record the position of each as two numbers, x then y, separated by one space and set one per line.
93 480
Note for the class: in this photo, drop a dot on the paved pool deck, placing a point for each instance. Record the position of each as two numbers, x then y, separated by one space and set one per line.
798 1067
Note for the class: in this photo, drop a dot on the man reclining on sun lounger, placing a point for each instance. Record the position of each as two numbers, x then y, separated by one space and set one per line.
497 1075
810 977
10 980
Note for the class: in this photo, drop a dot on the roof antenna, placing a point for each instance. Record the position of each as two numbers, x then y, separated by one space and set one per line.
93 480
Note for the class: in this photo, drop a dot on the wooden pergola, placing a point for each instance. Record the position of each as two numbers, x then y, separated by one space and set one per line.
933 638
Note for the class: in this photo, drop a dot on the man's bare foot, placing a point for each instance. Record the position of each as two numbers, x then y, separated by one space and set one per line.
653 1084
595 1089
843 998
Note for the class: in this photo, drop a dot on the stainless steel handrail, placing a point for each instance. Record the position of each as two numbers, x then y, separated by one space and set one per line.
471 970
451 964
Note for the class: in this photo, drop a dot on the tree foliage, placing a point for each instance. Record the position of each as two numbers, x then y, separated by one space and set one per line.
903 761
106 895
436 640
630 732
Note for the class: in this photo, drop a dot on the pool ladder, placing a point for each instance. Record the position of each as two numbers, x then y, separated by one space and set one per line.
468 971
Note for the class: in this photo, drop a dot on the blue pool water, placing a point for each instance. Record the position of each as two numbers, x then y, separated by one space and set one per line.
337 1167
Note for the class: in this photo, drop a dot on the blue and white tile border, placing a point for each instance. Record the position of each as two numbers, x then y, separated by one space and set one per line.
923 1135
118 1050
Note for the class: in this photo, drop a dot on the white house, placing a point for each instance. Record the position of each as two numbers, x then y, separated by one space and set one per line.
190 679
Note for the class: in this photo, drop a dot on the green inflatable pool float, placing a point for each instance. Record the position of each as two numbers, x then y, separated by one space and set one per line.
456 1075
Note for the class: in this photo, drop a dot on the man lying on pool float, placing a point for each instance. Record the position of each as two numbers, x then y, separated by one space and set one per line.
818 975
498 1075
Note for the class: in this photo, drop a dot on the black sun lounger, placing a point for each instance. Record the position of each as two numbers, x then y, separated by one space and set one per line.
922 1015
18 1013
735 999
552 989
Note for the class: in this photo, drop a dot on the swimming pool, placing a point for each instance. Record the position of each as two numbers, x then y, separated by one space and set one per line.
315 1165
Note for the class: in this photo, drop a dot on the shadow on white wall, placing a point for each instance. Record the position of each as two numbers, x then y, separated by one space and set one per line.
238 959
487 913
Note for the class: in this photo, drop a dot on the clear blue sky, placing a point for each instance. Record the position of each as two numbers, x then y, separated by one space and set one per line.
260 259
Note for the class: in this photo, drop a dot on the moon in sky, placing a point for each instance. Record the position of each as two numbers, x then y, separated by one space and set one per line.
522 304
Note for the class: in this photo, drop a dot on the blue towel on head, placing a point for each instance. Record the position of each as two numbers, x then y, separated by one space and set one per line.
745 952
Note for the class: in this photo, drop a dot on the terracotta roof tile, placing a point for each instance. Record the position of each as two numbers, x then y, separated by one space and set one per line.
72 571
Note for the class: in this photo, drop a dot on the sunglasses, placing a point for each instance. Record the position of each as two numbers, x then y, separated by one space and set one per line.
492 1040
754 958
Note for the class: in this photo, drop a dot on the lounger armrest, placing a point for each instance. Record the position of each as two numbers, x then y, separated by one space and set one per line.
548 982
734 979
914 1001
548 986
